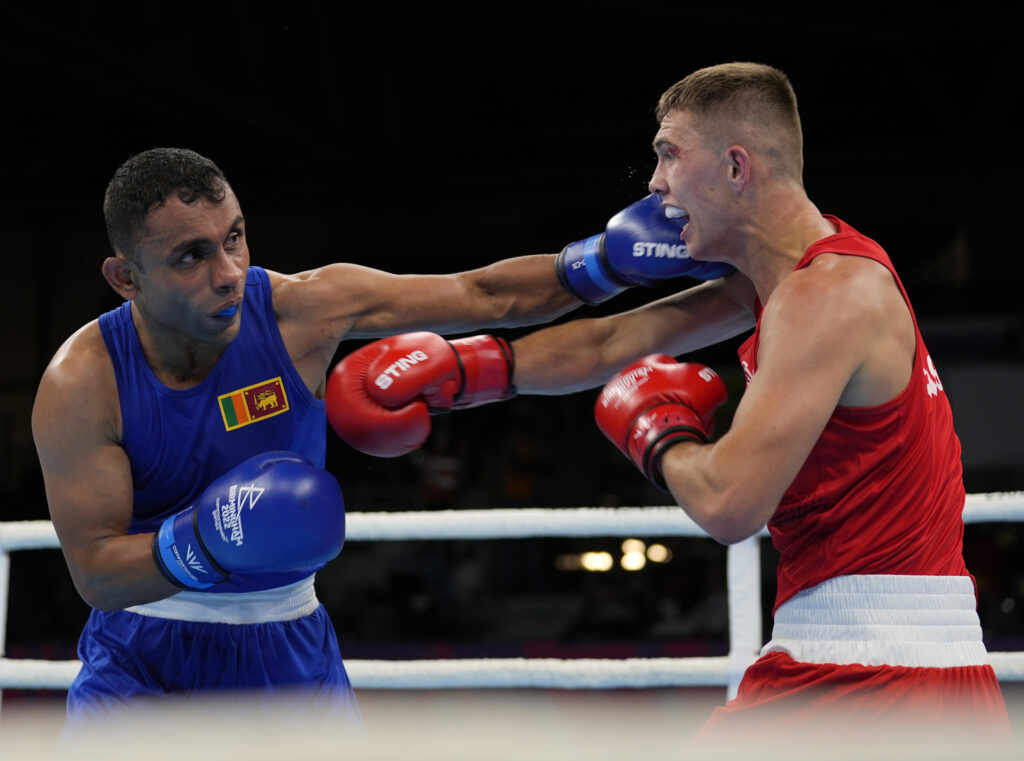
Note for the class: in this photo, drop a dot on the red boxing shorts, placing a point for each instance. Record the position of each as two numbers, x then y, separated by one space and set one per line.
869 654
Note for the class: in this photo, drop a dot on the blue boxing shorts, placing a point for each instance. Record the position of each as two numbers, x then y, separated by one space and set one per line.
275 649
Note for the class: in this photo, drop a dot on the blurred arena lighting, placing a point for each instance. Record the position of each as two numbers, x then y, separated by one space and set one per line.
597 561
594 562
633 561
659 553
635 556
633 545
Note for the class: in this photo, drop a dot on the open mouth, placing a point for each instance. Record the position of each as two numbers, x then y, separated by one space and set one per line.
228 312
682 216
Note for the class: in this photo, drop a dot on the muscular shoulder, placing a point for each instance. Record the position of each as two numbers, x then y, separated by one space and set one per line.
336 293
78 389
838 291
846 312
316 309
81 363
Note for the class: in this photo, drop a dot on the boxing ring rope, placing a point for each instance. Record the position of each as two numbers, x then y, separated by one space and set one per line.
743 581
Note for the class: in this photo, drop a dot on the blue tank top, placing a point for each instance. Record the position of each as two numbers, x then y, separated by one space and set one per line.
178 441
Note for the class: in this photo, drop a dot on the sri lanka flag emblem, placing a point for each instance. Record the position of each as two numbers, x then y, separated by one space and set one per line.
253 403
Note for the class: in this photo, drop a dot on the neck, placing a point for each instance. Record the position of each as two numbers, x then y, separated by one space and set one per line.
177 361
777 240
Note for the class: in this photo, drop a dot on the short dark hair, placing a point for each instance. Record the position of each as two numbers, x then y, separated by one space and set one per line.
754 93
147 180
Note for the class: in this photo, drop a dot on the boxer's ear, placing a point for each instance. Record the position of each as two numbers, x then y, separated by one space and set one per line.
119 272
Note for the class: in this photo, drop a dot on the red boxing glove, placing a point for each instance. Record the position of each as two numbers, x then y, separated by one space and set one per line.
379 398
657 402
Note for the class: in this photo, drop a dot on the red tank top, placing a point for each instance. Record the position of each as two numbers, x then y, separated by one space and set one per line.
882 491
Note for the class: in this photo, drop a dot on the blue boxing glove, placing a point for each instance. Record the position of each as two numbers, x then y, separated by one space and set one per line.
274 512
639 246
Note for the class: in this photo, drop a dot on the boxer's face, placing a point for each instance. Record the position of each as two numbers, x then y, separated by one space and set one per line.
190 270
691 179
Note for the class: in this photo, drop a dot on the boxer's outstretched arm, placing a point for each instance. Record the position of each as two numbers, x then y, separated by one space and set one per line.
585 353
318 309
380 397
352 301
639 246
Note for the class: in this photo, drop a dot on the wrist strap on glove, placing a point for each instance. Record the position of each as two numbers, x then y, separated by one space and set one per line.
181 556
486 364
583 271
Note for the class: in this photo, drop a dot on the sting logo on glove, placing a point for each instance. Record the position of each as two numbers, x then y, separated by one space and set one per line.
386 378
660 250
381 396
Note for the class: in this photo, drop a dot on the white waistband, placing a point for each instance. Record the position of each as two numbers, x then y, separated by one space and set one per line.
281 604
917 621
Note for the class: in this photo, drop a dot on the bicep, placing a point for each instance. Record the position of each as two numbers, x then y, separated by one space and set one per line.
89 493
88 490
777 423
806 358
400 303
360 302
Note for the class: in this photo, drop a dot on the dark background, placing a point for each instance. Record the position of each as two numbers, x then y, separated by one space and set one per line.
443 137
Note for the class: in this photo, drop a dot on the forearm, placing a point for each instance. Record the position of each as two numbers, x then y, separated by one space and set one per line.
711 495
520 291
358 302
732 486
585 353
117 572
566 358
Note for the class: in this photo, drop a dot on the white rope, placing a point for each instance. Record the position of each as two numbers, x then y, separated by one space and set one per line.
511 523
994 507
33 674
583 673
552 673
1009 667
523 523
455 673
27 535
